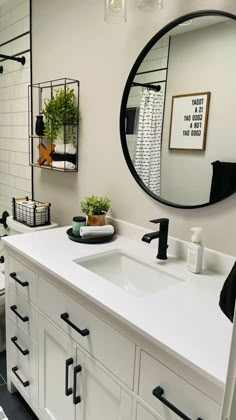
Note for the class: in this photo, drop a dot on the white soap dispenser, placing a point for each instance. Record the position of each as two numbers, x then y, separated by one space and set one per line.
195 251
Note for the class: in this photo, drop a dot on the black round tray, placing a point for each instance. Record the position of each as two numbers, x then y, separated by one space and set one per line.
88 240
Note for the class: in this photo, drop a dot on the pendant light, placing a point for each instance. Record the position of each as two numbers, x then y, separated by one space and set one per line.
150 5
115 11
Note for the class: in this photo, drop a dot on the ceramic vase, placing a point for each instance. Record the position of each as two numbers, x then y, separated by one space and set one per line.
96 220
39 126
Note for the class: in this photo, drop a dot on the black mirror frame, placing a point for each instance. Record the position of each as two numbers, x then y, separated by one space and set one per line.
142 55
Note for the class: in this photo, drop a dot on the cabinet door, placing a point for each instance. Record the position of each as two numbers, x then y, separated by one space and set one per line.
55 350
143 414
101 397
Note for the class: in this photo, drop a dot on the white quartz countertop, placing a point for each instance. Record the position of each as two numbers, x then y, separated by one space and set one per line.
185 320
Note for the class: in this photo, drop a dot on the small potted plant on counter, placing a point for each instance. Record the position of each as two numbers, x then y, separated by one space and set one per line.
95 208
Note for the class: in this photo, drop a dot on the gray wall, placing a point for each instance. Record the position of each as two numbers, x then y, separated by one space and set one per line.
71 39
201 60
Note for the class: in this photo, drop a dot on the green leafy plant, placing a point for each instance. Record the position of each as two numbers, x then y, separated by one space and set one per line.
60 115
95 205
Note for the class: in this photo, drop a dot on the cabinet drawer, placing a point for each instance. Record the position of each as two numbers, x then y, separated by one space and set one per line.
24 375
177 391
23 367
23 280
108 346
23 313
20 341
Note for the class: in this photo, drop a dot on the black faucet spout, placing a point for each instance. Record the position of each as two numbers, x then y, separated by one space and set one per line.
162 234
148 237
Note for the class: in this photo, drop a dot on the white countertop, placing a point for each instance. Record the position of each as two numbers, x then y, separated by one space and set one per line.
184 320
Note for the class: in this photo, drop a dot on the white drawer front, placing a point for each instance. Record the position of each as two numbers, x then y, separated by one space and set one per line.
23 367
108 346
23 313
180 393
19 340
23 280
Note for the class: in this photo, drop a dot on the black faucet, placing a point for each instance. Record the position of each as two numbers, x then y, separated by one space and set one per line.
162 234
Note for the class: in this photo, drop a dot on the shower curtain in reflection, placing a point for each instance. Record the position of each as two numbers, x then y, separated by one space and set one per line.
148 150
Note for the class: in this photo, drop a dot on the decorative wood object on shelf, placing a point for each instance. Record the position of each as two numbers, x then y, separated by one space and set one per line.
45 153
54 145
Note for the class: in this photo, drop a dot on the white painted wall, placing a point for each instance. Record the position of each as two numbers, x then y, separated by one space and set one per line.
201 60
15 173
72 39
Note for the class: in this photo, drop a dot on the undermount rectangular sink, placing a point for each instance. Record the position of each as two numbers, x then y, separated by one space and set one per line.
128 272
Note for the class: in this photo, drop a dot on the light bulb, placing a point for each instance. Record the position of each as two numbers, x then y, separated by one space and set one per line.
150 5
115 11
115 6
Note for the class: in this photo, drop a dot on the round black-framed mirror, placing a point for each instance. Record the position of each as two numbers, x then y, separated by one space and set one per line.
185 108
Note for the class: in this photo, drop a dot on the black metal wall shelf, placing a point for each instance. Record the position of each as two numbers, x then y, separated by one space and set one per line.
55 104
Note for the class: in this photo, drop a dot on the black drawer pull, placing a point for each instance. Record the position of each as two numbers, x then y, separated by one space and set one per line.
65 318
76 398
22 283
158 393
24 352
23 318
68 391
14 370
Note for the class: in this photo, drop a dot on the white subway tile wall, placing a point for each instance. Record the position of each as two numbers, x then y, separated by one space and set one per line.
15 172
156 59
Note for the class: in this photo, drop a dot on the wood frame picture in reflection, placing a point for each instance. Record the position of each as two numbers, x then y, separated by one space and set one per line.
189 121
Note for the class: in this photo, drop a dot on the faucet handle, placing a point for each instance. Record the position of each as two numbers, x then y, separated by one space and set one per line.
162 220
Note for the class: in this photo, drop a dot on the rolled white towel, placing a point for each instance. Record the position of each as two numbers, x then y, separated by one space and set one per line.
63 165
96 231
65 148
28 203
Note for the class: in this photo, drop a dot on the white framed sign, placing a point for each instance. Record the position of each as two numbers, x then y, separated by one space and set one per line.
189 120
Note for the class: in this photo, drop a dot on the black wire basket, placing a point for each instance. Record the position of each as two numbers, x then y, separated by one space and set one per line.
31 213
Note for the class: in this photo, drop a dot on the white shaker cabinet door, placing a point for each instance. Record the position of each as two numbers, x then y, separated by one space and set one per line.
143 414
101 398
57 357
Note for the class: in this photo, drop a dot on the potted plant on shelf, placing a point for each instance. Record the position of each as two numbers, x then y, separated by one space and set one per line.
60 116
95 208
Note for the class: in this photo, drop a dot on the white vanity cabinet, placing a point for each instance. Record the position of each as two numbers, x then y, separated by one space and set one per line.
157 381
23 356
55 349
72 385
101 397
83 364
108 346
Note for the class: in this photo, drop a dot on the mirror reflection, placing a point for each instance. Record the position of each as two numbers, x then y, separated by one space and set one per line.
180 114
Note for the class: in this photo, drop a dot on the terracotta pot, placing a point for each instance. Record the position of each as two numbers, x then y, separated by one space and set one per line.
98 220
